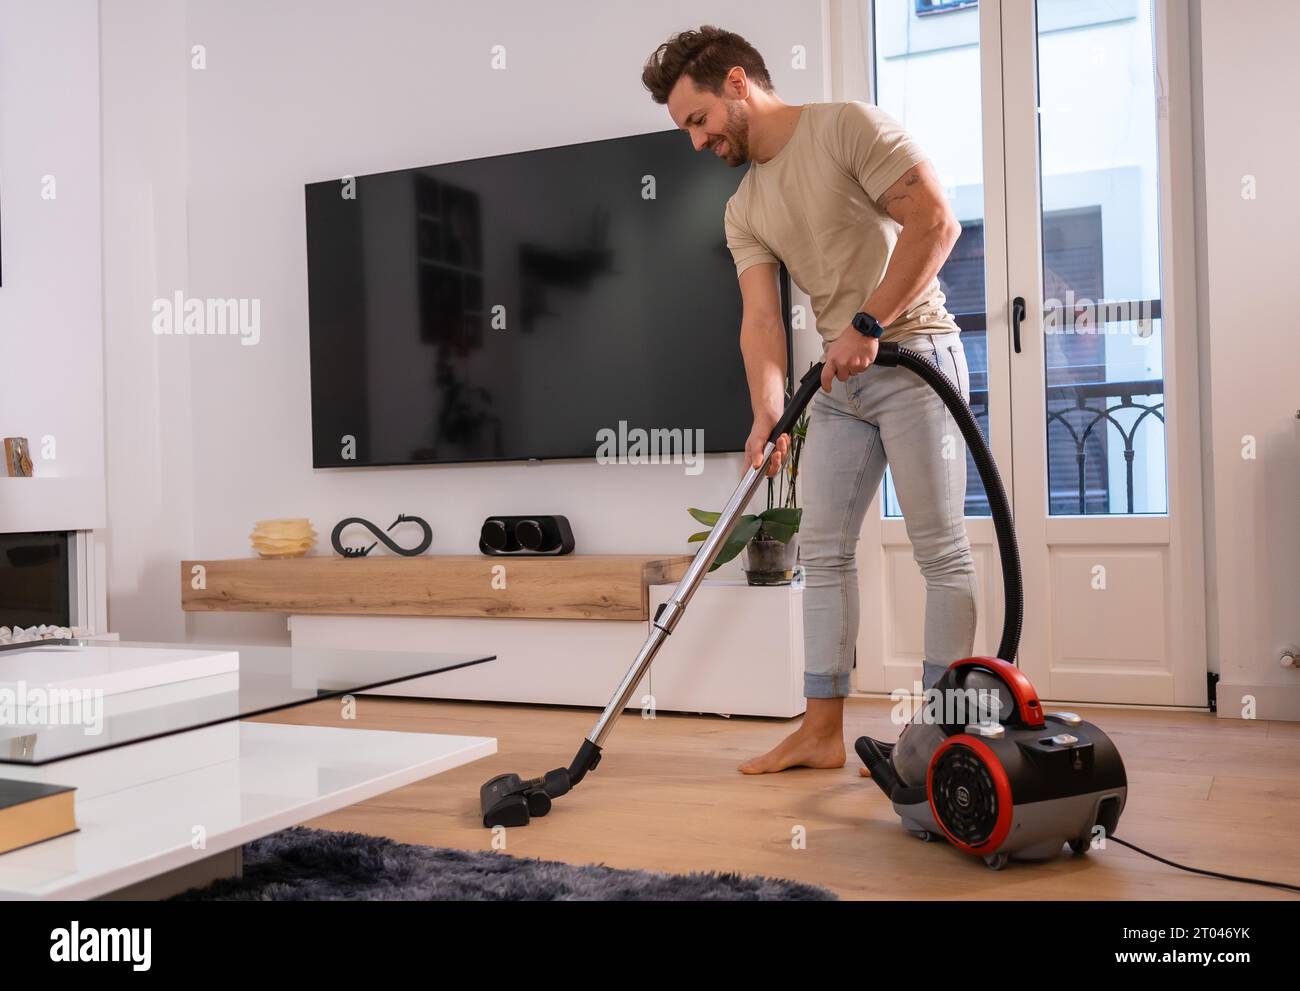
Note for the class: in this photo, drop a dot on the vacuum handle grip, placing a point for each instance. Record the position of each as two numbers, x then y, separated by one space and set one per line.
808 385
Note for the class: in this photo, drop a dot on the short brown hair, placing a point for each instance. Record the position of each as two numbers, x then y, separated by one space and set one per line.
706 56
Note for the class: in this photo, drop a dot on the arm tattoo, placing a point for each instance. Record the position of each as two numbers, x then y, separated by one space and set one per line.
909 180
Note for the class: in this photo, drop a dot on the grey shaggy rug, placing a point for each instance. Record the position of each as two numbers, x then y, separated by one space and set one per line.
302 864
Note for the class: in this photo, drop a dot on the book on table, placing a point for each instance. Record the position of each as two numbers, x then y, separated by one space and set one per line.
31 812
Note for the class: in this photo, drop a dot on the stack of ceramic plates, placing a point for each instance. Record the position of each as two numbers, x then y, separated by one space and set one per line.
282 538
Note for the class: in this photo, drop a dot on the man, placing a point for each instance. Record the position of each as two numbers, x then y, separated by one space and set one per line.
842 195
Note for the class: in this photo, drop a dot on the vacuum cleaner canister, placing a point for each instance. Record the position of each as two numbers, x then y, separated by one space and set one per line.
984 767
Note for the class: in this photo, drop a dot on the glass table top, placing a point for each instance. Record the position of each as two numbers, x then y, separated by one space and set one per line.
68 698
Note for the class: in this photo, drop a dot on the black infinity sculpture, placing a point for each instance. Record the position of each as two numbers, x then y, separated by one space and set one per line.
381 536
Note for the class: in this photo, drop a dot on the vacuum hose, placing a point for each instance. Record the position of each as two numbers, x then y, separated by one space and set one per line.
890 355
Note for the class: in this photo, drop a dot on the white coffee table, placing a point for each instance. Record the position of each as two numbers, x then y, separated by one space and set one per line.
177 781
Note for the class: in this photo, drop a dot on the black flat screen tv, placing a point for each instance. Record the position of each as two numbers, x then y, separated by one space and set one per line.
516 307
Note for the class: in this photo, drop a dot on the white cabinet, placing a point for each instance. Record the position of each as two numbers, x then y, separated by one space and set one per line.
738 650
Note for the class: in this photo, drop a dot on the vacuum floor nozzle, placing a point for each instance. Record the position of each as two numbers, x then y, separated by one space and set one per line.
509 800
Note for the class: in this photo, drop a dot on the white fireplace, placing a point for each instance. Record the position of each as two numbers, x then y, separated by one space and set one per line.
51 585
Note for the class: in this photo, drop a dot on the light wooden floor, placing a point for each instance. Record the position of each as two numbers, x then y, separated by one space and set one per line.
1222 794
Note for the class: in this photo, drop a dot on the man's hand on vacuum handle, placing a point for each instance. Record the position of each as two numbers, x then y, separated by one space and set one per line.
849 354
758 441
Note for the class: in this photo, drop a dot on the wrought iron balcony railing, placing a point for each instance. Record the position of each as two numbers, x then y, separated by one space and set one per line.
1089 413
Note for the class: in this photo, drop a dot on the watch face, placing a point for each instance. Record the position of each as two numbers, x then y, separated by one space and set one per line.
867 325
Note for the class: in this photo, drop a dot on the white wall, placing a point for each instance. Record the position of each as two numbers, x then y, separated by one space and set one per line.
147 378
1250 359
296 92
51 331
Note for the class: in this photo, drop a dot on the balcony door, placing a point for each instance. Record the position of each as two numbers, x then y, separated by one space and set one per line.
1049 124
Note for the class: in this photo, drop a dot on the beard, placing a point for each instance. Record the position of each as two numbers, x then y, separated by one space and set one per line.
736 134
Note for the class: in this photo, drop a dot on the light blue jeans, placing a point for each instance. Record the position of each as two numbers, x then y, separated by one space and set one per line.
885 415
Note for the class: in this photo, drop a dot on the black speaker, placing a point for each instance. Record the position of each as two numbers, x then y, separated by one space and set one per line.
505 536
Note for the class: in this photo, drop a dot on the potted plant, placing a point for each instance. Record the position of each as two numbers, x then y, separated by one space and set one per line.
769 539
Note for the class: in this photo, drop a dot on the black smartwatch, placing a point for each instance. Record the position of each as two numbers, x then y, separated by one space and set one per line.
867 325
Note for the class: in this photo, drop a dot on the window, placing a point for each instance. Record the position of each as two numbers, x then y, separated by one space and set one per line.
924 7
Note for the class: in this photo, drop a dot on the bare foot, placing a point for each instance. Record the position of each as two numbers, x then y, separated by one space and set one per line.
799 749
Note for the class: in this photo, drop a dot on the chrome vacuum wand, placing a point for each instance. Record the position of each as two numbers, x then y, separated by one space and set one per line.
508 799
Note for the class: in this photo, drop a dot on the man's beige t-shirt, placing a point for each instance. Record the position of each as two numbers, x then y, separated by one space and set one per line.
814 205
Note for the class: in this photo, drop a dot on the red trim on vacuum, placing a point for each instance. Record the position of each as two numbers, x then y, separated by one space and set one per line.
1001 783
1031 710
